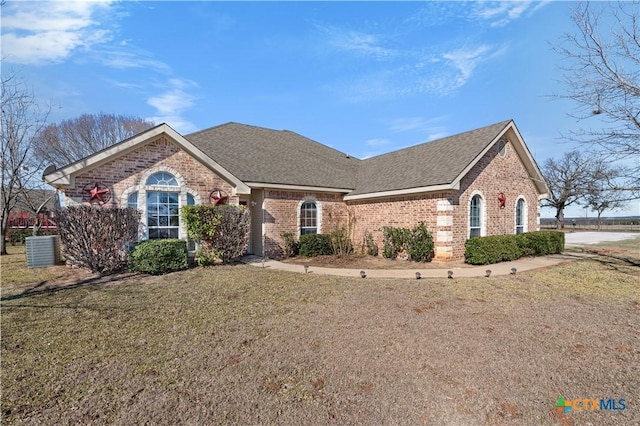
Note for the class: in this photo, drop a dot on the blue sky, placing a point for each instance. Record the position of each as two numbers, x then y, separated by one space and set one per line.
363 77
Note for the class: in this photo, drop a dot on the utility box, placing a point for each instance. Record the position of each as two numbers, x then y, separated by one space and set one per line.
43 251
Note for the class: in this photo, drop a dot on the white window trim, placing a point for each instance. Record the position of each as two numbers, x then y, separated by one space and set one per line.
142 189
525 215
483 214
309 199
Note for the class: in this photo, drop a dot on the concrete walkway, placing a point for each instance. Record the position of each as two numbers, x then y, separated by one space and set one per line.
572 239
581 238
504 268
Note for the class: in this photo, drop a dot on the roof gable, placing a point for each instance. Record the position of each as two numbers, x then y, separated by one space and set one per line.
64 177
437 165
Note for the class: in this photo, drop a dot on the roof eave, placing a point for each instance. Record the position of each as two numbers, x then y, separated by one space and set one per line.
264 185
523 152
64 177
401 192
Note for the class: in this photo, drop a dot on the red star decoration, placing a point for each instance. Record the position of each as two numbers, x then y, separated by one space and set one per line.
97 193
218 197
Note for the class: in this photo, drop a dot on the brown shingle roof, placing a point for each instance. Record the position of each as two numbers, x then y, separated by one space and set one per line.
257 154
432 163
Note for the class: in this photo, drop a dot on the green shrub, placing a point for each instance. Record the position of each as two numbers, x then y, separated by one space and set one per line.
419 245
541 243
201 221
207 257
393 240
502 248
221 230
315 245
291 246
340 242
18 235
159 256
416 242
492 249
370 244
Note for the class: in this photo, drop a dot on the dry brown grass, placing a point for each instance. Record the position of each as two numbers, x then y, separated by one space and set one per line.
246 345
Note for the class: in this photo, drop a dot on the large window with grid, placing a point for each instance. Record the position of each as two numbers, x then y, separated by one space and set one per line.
308 218
475 216
163 215
163 206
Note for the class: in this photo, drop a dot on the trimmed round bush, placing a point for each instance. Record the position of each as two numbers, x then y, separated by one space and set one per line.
158 257
502 248
315 245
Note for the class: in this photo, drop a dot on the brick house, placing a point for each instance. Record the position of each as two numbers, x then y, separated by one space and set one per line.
481 182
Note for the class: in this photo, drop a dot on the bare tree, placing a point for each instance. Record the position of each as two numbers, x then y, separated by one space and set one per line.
600 196
70 140
21 119
568 180
601 62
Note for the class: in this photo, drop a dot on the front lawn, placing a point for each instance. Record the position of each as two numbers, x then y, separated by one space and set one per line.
247 345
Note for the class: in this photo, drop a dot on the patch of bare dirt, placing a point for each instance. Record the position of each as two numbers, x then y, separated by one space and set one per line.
356 261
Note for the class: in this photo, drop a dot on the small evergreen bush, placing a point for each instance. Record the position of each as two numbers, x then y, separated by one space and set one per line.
207 257
158 257
222 231
501 248
416 242
393 241
419 245
541 243
315 245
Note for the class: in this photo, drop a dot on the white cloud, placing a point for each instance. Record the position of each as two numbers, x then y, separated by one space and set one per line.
40 32
441 74
125 57
465 61
503 13
172 103
365 44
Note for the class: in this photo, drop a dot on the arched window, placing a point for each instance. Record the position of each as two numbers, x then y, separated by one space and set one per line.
521 221
475 216
132 200
163 215
308 218
162 179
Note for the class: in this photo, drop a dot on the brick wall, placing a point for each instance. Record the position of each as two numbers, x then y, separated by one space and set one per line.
446 214
400 212
127 171
492 175
281 215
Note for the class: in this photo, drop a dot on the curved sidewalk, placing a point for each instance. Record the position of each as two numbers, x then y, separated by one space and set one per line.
504 268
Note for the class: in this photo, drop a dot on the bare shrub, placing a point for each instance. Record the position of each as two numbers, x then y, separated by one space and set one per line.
97 238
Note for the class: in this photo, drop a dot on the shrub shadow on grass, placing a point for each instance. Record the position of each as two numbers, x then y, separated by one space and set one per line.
38 290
